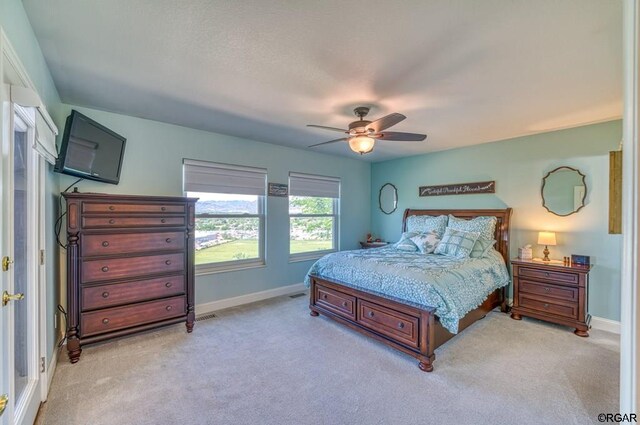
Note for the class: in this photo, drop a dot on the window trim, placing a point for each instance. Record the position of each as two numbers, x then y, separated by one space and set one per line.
243 264
335 239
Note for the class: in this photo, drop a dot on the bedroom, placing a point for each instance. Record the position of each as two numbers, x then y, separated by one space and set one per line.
506 92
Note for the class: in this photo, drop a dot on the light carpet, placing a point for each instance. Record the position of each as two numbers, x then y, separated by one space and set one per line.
272 363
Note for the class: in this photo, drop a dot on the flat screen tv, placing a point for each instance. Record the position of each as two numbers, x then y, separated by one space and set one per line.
90 150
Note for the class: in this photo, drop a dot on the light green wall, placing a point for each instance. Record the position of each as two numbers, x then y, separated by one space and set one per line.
517 166
16 26
153 166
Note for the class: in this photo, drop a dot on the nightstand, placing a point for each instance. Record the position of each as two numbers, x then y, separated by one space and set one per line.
367 245
552 292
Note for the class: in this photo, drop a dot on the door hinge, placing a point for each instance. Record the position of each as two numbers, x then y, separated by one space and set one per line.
43 365
42 257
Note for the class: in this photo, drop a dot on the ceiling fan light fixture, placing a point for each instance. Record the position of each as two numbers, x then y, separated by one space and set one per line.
361 144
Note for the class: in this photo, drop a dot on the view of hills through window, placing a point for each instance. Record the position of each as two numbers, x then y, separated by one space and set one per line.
228 226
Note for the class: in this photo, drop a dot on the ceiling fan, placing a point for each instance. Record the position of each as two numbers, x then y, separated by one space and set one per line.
362 134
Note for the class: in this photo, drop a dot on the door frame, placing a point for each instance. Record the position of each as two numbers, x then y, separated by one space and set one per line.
10 59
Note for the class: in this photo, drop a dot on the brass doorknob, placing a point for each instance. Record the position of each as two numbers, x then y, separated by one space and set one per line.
6 297
6 261
4 400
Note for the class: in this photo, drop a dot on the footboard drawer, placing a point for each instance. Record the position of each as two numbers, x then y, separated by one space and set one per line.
398 326
336 302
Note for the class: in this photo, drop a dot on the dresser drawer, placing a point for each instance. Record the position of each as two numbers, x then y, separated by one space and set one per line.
116 222
336 301
570 278
557 307
111 319
110 244
399 326
121 268
116 208
102 296
567 293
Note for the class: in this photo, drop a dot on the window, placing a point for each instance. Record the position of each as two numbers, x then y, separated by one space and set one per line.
313 215
229 214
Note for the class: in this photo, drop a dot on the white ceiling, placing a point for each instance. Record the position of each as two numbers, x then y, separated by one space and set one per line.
462 71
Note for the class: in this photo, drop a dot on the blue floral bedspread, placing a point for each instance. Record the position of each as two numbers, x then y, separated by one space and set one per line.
451 286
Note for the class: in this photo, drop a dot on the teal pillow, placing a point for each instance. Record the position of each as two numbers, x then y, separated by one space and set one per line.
456 243
426 242
427 223
484 225
405 243
481 248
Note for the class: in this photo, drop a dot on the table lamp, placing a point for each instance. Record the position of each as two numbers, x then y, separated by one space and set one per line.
546 239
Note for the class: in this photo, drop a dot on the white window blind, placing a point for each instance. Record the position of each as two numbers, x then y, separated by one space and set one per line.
318 186
203 176
46 130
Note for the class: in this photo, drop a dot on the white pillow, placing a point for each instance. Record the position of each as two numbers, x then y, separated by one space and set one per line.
426 242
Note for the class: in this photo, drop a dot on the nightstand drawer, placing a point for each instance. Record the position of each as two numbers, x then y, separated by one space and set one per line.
546 290
569 278
557 308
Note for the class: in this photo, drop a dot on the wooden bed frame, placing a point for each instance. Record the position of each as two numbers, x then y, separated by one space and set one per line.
412 330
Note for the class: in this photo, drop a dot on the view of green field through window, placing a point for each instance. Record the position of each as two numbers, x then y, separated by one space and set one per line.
228 226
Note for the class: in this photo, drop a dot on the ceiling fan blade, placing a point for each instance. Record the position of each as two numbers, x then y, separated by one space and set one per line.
399 136
385 122
328 128
330 141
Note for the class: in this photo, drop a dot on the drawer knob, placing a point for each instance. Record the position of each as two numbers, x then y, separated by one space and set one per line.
111 208
105 321
546 305
168 262
105 244
168 240
105 294
324 296
401 325
546 274
168 308
344 304
105 269
370 314
163 209
162 220
112 221
168 284
547 289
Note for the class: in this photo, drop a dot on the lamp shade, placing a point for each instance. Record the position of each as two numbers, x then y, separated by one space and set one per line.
361 144
546 238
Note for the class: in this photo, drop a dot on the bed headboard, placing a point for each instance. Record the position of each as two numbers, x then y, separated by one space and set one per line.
502 227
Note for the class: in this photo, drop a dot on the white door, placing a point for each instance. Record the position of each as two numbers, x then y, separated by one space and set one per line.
19 306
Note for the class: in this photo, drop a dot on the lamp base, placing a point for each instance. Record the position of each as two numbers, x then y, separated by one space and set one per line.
546 254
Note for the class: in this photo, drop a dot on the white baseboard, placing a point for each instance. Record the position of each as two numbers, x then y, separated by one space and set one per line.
51 371
603 324
205 308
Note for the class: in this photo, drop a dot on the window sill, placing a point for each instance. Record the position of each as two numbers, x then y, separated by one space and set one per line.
310 256
206 269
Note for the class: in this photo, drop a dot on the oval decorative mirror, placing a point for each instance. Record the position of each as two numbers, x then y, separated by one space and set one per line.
564 191
388 198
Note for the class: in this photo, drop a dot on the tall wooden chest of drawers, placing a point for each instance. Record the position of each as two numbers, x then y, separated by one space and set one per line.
552 292
130 265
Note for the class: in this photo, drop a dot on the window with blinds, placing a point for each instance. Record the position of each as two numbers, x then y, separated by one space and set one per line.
313 215
230 217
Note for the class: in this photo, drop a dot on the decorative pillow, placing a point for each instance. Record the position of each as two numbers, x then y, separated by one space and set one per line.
427 223
426 242
405 243
484 225
481 248
456 243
